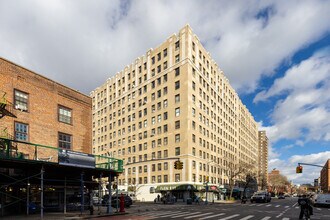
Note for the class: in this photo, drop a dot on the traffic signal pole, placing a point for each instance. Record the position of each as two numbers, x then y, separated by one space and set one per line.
299 167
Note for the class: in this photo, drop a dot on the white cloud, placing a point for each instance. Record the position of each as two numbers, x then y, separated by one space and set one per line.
91 41
304 111
288 167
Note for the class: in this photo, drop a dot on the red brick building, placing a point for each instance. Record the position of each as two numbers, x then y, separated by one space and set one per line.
325 177
47 112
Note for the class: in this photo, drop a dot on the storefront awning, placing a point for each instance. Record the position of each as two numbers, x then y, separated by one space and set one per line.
178 187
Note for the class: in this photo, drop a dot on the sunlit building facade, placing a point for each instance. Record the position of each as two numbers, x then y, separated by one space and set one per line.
173 103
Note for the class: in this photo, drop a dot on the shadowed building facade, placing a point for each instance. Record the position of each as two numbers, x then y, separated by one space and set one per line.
263 160
325 177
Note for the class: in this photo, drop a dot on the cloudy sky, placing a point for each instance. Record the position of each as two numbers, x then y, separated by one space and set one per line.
275 53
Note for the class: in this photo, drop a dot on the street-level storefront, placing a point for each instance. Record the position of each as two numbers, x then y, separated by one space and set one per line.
181 192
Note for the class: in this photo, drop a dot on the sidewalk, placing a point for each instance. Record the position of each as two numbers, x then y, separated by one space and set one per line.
67 216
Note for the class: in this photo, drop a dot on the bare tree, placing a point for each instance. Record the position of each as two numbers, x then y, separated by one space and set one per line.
278 183
238 172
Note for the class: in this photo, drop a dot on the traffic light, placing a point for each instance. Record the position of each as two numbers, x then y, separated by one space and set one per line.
180 167
299 169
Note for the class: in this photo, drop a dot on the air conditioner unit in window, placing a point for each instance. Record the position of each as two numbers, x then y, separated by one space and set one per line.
21 107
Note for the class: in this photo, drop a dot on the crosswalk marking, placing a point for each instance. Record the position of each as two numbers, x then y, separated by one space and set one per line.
177 216
287 206
212 216
247 217
194 216
268 205
169 215
277 206
319 209
260 205
155 213
265 218
229 217
285 219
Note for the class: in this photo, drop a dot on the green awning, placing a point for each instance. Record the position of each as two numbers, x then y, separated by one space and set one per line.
178 187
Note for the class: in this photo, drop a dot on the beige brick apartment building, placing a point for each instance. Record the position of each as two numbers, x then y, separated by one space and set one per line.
174 102
48 113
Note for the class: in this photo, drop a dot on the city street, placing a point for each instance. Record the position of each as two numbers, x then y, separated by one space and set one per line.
284 209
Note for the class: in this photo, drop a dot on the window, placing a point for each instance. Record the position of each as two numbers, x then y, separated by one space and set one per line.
153 60
177 112
165 103
177 138
165 141
159 56
177 177
177 98
165 156
165 78
177 45
177 85
64 115
177 151
21 131
165 65
165 52
165 178
165 127
194 85
177 58
165 90
64 140
177 71
177 125
21 100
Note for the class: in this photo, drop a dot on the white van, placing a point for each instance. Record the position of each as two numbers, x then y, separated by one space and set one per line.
321 200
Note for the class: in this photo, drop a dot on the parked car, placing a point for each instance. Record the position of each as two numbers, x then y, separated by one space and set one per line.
128 200
260 197
321 200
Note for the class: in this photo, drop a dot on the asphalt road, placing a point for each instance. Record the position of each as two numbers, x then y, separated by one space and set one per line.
284 209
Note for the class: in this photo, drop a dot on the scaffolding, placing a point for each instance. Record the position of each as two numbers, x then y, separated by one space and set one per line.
28 171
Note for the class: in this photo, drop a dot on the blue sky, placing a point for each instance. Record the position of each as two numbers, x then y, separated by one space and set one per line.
275 54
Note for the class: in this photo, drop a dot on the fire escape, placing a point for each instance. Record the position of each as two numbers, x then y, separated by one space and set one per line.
6 109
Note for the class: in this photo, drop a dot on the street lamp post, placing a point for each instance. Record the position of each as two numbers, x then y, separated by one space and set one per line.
206 190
